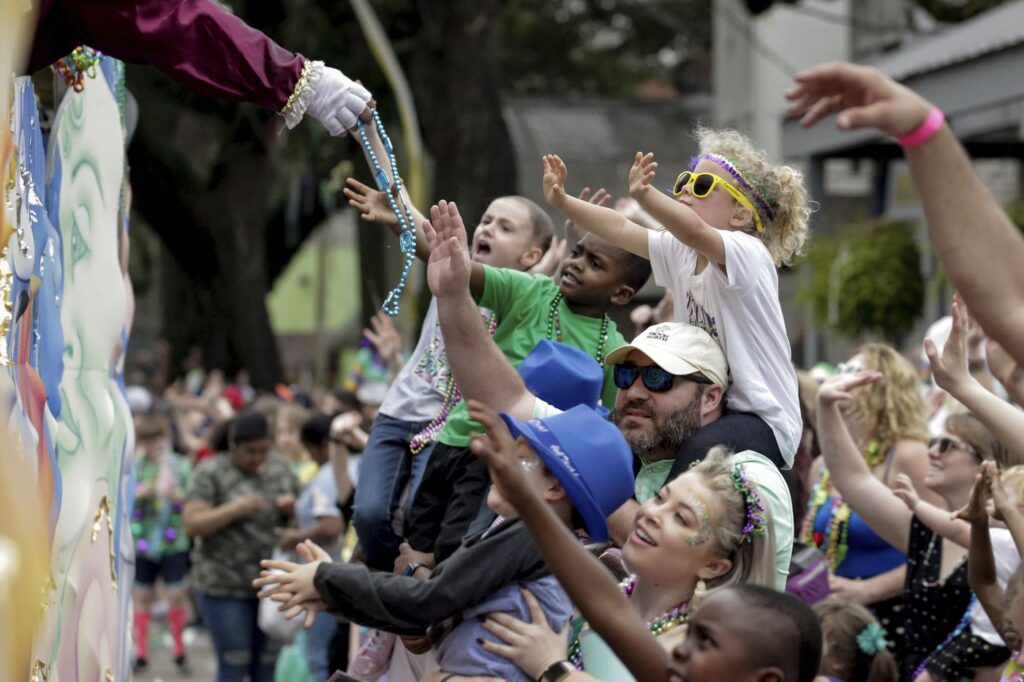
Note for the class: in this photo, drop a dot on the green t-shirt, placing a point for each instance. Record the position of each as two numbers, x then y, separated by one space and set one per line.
522 304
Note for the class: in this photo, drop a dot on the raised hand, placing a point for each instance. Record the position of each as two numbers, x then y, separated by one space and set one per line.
601 197
838 388
950 369
641 174
372 204
385 338
904 489
863 96
552 258
498 451
975 511
1001 502
449 266
555 173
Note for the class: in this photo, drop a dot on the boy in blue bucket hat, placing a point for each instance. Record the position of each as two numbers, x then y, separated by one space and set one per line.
582 467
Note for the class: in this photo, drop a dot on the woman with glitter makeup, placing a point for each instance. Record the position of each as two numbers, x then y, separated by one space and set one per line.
703 530
887 422
937 598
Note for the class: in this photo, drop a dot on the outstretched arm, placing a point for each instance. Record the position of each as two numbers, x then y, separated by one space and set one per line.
678 218
865 494
936 518
970 230
373 207
951 373
481 370
606 223
589 585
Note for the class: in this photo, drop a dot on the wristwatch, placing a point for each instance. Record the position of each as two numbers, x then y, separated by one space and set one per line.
557 671
413 567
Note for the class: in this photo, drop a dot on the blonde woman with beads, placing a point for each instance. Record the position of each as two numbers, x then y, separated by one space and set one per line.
734 219
704 530
887 420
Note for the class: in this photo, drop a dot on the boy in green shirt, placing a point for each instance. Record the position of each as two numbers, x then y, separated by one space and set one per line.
595 277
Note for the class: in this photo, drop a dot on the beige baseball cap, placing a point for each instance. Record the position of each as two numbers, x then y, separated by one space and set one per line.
679 349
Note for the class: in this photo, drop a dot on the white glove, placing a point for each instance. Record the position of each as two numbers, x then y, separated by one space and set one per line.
338 101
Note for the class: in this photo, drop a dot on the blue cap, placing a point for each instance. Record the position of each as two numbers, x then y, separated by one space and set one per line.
589 457
562 375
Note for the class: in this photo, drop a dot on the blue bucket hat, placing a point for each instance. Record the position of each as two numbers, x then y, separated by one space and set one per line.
589 457
562 375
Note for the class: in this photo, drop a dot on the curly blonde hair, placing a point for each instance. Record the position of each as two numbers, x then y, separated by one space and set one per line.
892 409
752 562
782 186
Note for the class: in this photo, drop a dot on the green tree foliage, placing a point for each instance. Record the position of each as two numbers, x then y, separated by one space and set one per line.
598 46
868 281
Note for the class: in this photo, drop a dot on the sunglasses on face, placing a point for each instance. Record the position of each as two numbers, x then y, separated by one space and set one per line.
703 184
655 378
946 443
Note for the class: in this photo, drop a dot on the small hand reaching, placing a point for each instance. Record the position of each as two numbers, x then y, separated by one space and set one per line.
601 197
555 173
975 511
498 451
372 204
904 489
385 338
641 174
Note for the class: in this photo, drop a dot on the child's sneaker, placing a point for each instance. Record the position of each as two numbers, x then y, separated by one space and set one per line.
374 656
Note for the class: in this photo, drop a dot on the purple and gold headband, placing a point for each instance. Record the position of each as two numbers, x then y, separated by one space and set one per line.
759 198
754 521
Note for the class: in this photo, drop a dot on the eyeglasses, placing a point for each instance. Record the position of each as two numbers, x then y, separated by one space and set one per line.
655 378
703 184
945 443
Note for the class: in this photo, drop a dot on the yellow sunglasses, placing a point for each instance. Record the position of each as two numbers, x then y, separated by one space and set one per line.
703 184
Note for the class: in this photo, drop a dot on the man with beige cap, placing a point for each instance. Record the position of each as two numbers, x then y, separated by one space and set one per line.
672 381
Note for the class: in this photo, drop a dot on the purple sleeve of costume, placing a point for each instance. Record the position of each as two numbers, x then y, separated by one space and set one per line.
196 42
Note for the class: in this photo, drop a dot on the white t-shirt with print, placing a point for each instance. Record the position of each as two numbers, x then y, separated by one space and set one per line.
741 311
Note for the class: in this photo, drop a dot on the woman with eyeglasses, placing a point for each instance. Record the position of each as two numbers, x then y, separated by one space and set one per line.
731 220
937 599
887 424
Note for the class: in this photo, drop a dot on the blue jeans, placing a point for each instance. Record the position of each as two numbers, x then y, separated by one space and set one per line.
242 648
318 646
387 468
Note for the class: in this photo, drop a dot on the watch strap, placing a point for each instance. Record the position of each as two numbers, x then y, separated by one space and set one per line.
557 671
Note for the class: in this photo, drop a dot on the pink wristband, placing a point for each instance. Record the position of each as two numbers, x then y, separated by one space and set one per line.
922 133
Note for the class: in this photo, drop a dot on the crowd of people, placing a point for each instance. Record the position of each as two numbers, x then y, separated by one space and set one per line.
533 497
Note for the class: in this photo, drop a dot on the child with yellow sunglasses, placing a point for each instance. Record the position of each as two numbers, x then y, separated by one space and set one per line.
734 219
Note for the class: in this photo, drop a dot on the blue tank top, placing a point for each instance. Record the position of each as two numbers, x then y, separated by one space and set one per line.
867 554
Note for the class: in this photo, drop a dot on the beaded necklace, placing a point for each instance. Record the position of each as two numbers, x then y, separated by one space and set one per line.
554 331
833 542
76 66
669 620
965 620
452 396
407 239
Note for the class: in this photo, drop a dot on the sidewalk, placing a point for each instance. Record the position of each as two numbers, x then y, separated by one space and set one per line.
161 666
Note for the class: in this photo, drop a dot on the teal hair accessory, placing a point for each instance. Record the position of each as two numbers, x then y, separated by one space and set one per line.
871 639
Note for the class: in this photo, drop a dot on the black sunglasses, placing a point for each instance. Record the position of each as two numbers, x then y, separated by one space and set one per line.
945 443
655 378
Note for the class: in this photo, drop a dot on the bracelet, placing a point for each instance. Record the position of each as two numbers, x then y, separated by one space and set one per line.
932 124
557 671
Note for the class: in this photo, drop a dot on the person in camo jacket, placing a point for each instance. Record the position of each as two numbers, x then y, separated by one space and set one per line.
235 500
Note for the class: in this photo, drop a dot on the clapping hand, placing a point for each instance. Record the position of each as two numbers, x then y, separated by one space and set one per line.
975 511
292 584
